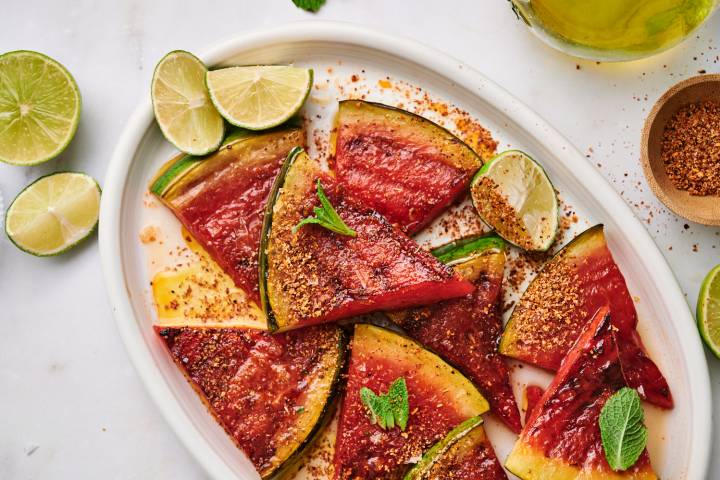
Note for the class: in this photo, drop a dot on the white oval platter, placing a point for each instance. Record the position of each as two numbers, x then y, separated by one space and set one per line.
680 451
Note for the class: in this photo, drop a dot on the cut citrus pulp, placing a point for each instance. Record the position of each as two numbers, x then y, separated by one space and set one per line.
39 108
708 310
54 213
513 194
259 97
182 106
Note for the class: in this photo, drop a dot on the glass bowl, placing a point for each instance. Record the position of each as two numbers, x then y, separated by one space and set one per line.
613 30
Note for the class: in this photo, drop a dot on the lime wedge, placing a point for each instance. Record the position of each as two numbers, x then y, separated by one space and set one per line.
513 194
182 106
39 108
259 97
708 310
53 213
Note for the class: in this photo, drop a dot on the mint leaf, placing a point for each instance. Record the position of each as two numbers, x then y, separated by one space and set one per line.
398 398
389 409
623 433
326 216
309 5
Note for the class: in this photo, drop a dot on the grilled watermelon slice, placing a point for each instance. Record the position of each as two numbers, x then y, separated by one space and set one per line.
271 393
464 454
402 165
221 198
575 283
313 275
440 398
561 439
465 331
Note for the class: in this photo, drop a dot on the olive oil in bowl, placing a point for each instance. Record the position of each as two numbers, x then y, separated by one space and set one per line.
613 29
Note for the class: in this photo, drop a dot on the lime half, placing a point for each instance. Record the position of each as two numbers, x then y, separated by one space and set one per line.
39 108
259 97
182 106
708 310
513 194
53 213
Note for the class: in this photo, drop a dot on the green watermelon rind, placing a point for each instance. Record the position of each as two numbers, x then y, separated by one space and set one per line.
464 249
284 470
509 339
437 451
275 192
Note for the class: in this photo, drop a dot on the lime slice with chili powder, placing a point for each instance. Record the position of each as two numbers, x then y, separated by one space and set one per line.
513 194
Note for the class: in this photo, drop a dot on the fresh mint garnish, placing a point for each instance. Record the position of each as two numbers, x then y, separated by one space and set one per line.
388 409
309 5
623 433
326 216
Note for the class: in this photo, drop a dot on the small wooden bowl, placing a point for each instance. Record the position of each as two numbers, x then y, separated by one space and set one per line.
705 209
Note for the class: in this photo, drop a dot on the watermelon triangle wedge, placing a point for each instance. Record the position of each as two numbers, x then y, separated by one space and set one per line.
575 283
312 275
465 331
271 393
561 439
402 165
220 198
439 399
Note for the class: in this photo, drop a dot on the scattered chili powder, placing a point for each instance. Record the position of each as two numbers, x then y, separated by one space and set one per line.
691 148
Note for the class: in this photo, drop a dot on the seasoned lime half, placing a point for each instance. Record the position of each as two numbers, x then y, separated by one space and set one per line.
259 97
54 213
513 194
182 106
708 310
39 108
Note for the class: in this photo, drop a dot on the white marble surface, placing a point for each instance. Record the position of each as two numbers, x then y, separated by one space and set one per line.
72 405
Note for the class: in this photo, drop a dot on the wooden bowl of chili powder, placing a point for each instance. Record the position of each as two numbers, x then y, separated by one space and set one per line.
680 149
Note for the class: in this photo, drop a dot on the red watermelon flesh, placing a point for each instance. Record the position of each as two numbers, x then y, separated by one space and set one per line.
269 392
222 201
533 394
465 332
400 164
561 439
574 284
439 399
314 275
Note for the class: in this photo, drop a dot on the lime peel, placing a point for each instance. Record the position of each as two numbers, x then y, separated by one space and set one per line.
708 310
259 97
54 213
513 194
182 106
39 108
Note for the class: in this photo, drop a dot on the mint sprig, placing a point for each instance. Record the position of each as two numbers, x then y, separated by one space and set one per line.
388 409
309 5
623 433
326 216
